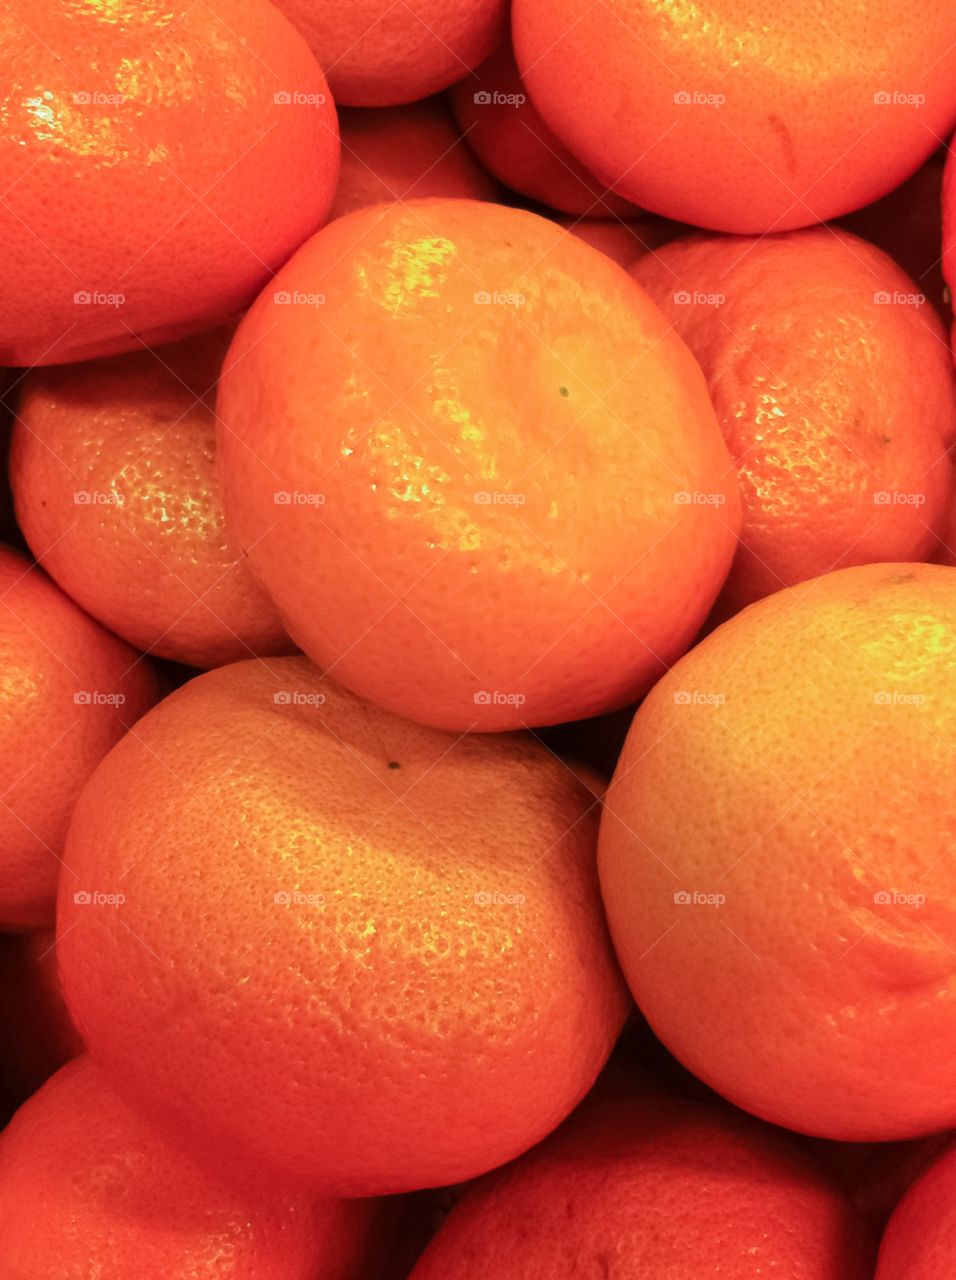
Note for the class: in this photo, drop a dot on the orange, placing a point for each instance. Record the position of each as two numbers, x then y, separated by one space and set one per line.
70 690
88 1189
623 240
738 115
636 1187
377 53
834 389
375 951
512 141
500 497
399 152
775 855
36 1033
157 164
114 475
920 1239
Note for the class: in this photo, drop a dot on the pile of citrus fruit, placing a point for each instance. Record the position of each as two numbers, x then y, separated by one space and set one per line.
477 640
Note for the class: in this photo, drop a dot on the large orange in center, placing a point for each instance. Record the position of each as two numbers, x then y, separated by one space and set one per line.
477 471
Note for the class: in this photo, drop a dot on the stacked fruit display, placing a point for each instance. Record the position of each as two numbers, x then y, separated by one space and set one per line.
477 640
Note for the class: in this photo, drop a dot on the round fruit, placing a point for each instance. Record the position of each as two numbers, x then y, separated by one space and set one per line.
70 691
834 388
512 141
158 163
375 951
775 855
480 512
114 476
920 1240
377 53
88 1189
741 116
402 152
634 1188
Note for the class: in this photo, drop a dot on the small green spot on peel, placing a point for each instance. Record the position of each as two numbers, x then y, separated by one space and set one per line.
564 391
